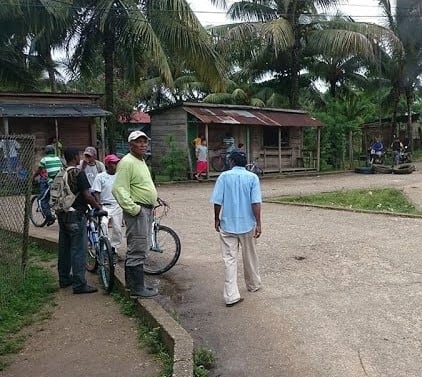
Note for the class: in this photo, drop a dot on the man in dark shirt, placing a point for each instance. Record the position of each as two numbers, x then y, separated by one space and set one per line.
72 229
396 146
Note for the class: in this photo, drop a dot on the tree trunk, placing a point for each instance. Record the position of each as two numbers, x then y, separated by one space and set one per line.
51 72
294 95
409 118
396 99
108 55
294 79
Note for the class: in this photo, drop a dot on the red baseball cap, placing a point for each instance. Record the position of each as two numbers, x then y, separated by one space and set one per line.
111 158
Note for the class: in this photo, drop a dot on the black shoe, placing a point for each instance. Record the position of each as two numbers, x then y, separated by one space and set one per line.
65 285
51 220
85 289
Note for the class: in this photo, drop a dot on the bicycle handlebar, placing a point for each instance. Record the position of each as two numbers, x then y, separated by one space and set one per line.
161 203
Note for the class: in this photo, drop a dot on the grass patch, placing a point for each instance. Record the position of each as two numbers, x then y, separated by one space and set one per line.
382 200
203 361
24 305
150 337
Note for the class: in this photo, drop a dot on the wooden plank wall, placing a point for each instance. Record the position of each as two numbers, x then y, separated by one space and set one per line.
75 132
171 122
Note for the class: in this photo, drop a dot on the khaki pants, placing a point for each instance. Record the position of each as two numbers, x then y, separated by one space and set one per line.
138 236
115 216
230 244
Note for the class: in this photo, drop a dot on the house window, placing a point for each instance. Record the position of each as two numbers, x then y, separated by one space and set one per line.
271 137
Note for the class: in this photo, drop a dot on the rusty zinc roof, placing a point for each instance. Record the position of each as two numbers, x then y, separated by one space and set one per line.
247 115
42 110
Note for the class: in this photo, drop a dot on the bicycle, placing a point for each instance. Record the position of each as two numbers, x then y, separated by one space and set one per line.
99 252
254 168
165 243
37 215
219 162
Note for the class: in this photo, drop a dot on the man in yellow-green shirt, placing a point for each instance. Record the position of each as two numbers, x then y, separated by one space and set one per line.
135 192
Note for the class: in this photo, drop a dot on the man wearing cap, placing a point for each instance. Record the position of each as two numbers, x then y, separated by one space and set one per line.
103 183
48 168
237 218
135 191
90 165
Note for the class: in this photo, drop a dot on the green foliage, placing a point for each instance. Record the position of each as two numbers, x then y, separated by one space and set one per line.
341 116
127 307
203 361
151 338
174 162
148 336
381 200
26 303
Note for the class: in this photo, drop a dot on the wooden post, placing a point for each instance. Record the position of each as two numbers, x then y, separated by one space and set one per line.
102 151
56 125
351 148
6 126
208 151
279 149
318 148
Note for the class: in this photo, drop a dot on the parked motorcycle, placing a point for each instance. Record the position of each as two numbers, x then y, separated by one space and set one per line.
405 156
376 157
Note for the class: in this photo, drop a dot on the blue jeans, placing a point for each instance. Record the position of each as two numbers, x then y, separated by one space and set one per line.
73 245
45 197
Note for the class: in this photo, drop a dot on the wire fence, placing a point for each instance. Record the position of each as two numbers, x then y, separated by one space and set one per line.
16 167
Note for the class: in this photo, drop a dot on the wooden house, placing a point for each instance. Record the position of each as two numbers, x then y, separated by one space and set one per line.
384 130
74 119
273 136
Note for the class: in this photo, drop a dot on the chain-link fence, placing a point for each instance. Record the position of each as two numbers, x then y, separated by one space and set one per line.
16 168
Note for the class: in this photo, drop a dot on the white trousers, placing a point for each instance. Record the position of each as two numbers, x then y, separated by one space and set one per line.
115 218
230 245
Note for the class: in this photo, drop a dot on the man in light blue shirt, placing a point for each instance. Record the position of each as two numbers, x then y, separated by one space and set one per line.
237 211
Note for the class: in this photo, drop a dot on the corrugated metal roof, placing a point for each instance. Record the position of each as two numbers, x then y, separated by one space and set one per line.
35 110
252 116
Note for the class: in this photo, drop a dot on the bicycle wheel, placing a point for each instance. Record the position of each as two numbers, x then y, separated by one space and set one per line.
91 259
258 171
37 217
217 163
166 253
105 264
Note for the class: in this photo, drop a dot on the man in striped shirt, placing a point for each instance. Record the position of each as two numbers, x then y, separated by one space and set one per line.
48 168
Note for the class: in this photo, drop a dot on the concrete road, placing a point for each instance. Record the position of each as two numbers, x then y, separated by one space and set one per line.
342 291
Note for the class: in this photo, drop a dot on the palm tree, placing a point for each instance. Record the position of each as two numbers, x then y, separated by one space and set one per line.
30 30
286 28
402 67
139 37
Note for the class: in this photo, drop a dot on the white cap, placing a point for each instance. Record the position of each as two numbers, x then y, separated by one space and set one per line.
137 134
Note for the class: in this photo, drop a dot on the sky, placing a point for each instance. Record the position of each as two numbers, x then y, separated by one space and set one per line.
360 10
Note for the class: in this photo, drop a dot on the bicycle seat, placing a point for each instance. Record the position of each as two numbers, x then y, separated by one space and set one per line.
99 213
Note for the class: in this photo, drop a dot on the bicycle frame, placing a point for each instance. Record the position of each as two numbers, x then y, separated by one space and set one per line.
99 252
165 246
156 224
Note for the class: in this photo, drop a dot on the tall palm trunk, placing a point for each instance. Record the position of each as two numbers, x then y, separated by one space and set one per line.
294 95
51 72
409 100
396 99
108 55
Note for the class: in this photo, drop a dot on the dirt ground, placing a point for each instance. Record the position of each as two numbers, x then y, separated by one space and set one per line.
341 295
87 335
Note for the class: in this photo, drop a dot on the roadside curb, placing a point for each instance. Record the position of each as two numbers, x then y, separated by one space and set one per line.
175 337
345 209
